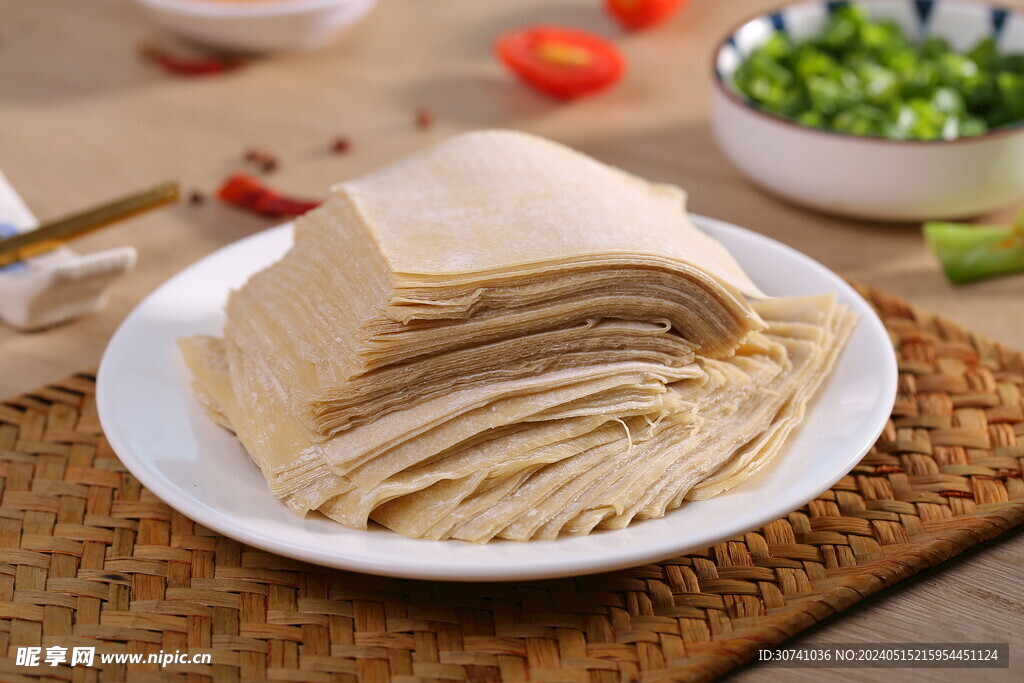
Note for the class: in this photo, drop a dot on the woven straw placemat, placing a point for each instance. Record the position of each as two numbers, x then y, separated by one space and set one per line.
89 557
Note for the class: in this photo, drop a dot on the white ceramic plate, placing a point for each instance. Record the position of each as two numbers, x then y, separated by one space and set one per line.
162 435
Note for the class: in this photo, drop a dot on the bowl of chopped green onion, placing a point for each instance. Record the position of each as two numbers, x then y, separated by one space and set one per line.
897 110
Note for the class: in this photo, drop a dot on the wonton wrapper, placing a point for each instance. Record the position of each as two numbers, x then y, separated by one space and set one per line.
502 338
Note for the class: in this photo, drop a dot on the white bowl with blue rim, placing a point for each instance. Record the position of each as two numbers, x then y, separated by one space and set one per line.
258 25
871 177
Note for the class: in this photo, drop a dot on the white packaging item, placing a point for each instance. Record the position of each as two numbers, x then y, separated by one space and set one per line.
56 286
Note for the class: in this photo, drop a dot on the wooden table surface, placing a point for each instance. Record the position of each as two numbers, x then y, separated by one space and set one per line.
83 119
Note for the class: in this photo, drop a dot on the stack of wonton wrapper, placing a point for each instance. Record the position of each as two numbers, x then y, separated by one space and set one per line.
500 338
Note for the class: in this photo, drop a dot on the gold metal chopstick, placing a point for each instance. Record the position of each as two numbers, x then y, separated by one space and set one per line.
53 234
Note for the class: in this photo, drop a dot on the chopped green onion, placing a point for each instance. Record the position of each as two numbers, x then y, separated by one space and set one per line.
971 252
866 77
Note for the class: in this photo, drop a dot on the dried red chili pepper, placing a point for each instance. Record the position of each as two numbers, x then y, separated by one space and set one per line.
188 66
341 145
424 119
246 192
266 161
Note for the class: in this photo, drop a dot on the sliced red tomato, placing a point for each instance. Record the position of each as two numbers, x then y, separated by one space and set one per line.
642 13
561 62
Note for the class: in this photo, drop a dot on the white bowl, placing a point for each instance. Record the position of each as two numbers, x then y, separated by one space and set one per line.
258 25
865 177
